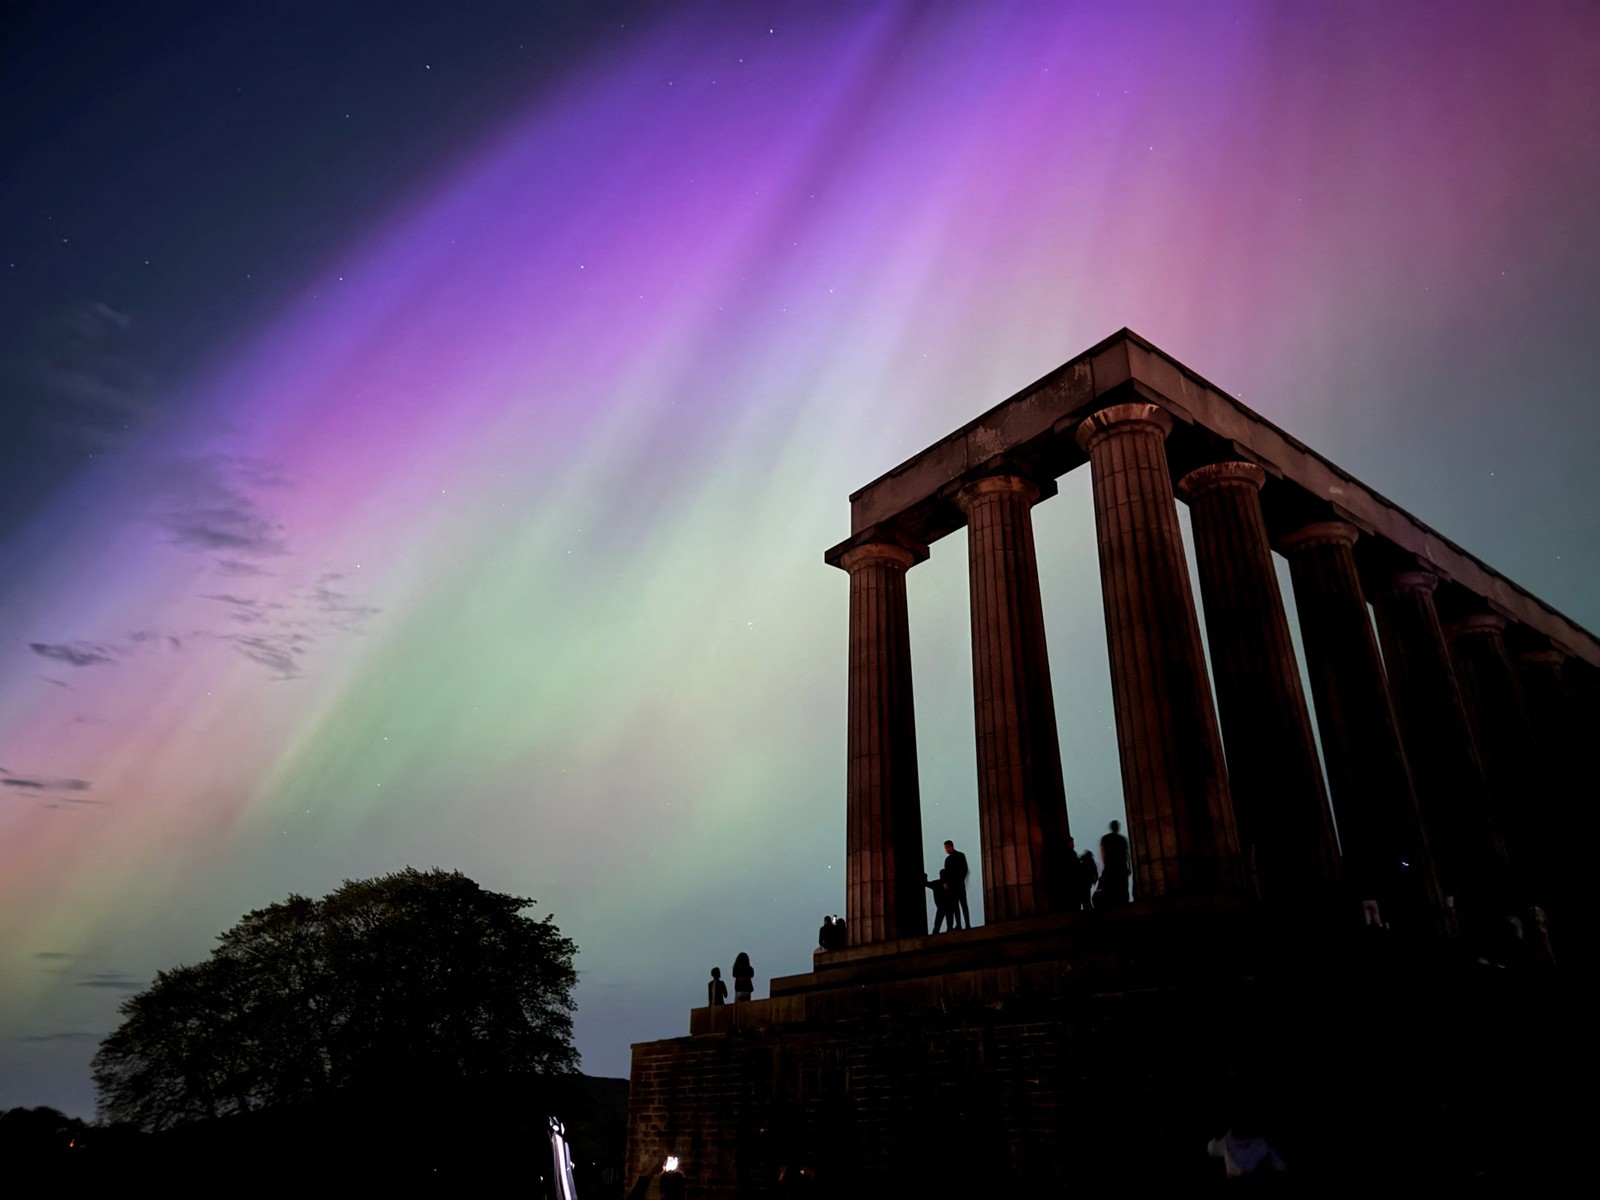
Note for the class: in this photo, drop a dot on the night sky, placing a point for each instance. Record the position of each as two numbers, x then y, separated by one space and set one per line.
424 421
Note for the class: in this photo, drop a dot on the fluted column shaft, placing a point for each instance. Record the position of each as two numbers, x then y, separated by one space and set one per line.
1498 719
1279 803
1566 783
1174 783
1468 852
883 854
1022 807
1550 708
1385 849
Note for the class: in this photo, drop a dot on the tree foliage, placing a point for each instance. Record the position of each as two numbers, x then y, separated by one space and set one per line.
387 982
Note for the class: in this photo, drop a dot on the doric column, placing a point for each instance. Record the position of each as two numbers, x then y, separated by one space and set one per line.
884 896
1022 807
1468 853
1385 850
1174 783
1583 686
1279 803
1566 783
1498 719
1550 709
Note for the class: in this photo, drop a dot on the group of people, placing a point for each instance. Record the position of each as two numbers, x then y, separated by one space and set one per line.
1102 886
950 892
1088 885
744 982
833 935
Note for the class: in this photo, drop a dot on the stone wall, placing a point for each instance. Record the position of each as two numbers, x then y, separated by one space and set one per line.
1014 1094
1382 1058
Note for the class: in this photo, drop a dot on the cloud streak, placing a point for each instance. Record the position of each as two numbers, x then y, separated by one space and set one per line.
46 785
114 980
73 654
95 389
207 506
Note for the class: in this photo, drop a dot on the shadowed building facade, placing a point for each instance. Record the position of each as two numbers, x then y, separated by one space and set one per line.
1434 728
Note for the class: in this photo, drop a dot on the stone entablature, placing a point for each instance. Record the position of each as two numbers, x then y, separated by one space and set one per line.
1038 426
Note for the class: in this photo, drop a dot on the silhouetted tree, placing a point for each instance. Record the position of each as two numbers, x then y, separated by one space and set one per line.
385 983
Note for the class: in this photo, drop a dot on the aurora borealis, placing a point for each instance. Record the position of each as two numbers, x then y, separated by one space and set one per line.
425 425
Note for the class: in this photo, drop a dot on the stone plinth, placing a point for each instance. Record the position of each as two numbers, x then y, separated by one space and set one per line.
1088 1053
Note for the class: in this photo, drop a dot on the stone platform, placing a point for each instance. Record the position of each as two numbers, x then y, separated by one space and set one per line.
1141 945
1072 1054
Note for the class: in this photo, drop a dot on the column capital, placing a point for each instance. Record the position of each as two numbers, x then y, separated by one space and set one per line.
1222 474
997 485
1402 582
1476 623
1120 417
1319 533
873 553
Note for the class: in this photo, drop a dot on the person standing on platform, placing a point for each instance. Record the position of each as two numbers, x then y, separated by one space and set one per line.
841 933
1081 876
1113 889
716 990
944 902
955 876
744 978
1088 876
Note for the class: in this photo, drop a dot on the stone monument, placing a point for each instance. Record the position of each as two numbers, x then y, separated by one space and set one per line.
1290 939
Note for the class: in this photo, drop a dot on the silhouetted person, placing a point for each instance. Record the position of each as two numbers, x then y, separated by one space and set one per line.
955 873
944 901
716 990
832 935
1113 887
838 935
744 978
1078 882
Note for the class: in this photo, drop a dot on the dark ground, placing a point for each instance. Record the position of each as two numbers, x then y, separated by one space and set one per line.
448 1139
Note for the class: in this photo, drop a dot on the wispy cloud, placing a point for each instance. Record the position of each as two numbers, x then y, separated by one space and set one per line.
247 610
74 654
118 980
278 654
45 785
49 792
280 628
207 504
85 371
342 613
65 1035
